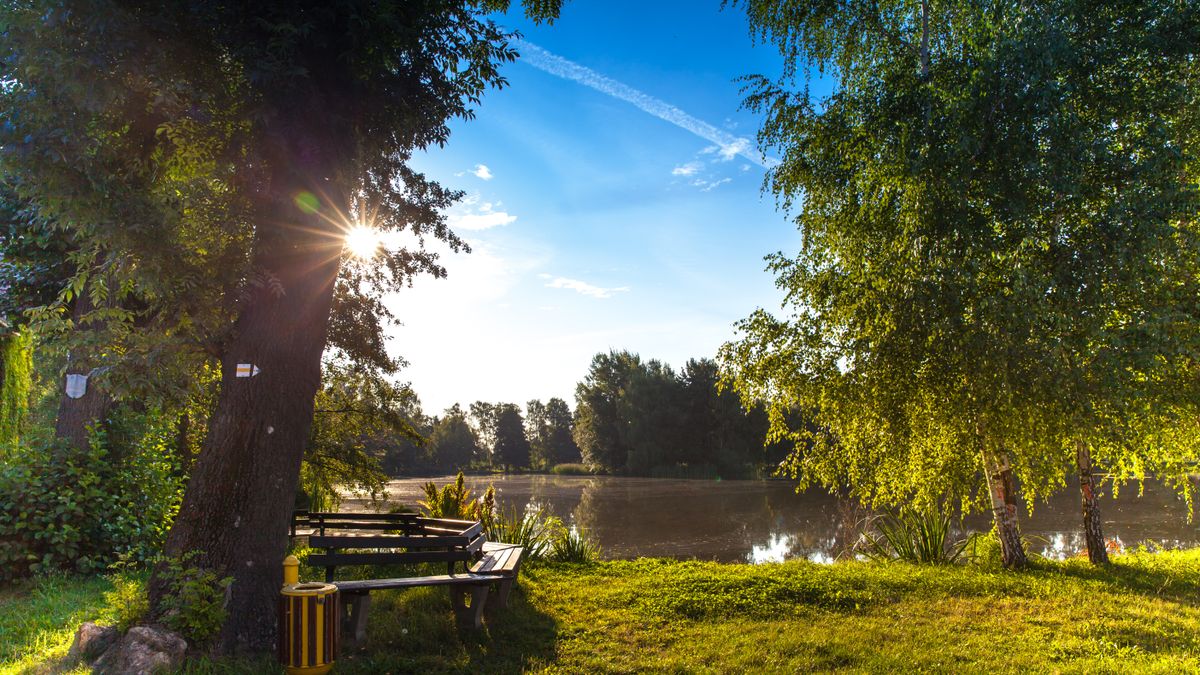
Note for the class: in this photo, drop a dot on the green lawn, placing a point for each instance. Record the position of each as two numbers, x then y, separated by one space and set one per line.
1140 615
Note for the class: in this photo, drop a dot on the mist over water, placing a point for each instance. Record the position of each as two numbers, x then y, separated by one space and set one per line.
766 521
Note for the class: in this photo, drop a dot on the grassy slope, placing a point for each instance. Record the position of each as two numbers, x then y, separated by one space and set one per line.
1142 614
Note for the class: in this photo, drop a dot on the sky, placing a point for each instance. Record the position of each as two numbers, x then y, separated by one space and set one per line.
613 201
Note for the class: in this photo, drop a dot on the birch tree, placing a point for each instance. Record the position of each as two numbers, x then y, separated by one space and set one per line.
997 275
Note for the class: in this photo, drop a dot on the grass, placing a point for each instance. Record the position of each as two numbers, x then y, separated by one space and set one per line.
1141 614
38 619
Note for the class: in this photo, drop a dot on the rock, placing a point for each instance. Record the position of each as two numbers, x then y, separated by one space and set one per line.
91 641
144 650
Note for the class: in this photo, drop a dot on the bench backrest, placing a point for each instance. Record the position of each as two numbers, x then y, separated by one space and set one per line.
440 540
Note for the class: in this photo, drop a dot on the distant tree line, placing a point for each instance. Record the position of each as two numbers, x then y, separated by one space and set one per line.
641 418
632 417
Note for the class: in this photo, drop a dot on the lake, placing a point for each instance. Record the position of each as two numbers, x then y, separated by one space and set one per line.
763 521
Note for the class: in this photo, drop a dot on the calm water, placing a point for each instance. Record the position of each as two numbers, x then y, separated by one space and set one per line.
760 521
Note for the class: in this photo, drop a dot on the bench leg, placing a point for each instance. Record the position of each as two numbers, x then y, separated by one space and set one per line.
502 590
355 607
472 615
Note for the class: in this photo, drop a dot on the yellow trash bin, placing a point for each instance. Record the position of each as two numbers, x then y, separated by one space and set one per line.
308 626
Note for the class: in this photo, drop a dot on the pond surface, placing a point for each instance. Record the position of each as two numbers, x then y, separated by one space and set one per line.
761 521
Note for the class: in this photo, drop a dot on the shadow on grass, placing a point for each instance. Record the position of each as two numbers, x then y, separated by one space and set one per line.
1138 575
414 630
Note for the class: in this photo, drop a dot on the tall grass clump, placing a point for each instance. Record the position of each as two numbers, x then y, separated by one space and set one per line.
572 545
910 535
533 529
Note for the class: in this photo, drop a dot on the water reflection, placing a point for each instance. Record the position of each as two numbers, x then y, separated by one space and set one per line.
766 521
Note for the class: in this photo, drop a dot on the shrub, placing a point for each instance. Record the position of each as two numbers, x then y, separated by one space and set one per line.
63 508
129 600
456 500
570 470
194 602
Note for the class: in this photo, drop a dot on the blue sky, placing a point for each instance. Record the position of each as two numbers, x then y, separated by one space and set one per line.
596 223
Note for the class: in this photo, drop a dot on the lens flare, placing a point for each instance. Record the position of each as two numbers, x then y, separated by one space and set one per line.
362 242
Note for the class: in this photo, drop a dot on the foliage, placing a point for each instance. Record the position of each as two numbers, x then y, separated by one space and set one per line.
455 500
357 414
913 536
63 509
512 449
575 469
484 419
641 419
128 600
533 528
1137 615
34 263
1000 244
572 545
452 443
16 373
548 428
194 602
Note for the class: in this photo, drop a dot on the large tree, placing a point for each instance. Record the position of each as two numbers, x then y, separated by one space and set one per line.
211 157
452 443
512 448
560 445
548 429
998 267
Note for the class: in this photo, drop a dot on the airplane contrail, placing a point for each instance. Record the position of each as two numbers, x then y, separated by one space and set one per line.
728 145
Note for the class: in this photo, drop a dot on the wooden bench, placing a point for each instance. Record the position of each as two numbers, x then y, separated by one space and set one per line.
422 540
501 562
307 523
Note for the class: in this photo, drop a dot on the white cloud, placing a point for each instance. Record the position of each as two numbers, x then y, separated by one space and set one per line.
481 221
482 171
710 185
687 169
582 287
728 144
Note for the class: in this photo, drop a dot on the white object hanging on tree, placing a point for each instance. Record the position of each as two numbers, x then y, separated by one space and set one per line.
76 385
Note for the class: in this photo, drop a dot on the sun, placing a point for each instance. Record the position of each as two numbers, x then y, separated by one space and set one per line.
362 242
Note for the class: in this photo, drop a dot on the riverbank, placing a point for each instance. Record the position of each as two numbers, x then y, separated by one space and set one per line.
1141 614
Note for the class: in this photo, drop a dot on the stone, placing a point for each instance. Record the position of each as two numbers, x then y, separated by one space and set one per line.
91 641
143 651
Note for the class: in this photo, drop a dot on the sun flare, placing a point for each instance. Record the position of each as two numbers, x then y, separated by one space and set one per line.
362 242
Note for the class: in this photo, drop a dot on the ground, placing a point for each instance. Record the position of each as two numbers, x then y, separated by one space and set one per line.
1141 614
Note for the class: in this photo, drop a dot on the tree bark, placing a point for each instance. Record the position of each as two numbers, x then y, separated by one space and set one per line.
75 415
1093 530
1003 491
239 499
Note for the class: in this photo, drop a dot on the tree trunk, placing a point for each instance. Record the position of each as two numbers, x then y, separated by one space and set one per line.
238 504
1003 490
1092 526
75 415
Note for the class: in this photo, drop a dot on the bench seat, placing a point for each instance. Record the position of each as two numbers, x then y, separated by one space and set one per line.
503 562
356 599
497 566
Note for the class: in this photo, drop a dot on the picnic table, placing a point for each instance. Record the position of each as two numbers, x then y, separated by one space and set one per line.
488 569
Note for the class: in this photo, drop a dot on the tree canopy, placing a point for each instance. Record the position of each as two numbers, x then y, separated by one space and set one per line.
1000 242
207 196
